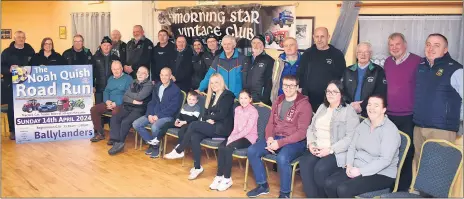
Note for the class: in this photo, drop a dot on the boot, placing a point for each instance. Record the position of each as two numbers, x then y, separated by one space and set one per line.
117 147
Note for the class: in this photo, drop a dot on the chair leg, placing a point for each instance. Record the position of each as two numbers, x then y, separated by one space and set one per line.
207 154
293 179
214 152
267 171
246 175
165 143
136 139
240 164
141 142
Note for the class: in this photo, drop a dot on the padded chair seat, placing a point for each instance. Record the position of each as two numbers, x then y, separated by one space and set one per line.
212 143
4 109
174 131
241 152
274 157
373 194
400 195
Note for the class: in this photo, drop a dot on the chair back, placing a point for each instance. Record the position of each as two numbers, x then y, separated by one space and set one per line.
264 112
403 150
184 95
439 165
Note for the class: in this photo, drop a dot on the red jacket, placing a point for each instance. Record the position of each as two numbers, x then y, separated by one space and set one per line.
295 123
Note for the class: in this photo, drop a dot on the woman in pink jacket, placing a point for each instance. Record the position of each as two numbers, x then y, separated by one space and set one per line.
245 134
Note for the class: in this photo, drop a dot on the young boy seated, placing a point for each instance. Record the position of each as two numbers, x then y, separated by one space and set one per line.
190 112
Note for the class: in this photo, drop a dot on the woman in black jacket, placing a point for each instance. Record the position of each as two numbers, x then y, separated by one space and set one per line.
47 55
217 122
199 66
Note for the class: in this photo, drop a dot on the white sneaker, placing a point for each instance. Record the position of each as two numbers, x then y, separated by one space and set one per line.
225 184
216 182
174 155
194 173
155 141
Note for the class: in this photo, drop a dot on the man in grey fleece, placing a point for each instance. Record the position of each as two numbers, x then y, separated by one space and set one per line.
372 158
134 105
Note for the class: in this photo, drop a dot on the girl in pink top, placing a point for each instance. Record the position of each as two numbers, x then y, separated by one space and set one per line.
244 135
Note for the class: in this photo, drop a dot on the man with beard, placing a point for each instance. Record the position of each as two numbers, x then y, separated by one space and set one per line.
19 53
319 65
163 55
78 54
101 62
118 46
258 76
139 51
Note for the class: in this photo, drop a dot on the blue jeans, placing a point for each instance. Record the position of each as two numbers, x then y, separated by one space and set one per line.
285 156
140 124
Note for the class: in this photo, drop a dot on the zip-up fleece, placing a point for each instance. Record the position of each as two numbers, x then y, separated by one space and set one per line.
230 69
295 124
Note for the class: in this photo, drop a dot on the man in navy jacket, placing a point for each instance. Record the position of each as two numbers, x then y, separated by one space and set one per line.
166 102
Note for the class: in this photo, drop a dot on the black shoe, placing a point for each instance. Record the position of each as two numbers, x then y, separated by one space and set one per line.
155 152
149 150
12 136
117 147
110 142
260 190
284 195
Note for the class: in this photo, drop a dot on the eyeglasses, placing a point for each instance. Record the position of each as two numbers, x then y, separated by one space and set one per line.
288 86
331 92
289 45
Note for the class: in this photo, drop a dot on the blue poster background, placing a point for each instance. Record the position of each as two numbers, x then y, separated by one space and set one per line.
52 103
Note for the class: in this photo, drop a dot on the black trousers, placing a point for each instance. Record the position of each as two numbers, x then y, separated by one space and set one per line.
98 97
225 155
10 113
122 122
314 171
339 185
196 132
405 124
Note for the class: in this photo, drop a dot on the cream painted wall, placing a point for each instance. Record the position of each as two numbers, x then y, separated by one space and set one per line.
39 19
122 21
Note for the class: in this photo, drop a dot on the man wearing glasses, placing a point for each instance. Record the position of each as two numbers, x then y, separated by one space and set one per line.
78 54
363 79
285 137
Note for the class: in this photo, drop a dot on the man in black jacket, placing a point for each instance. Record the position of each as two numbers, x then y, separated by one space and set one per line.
258 76
139 52
118 46
101 62
182 69
212 51
78 54
17 54
318 66
363 79
164 54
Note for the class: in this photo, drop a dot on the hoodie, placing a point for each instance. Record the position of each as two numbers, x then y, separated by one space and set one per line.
294 126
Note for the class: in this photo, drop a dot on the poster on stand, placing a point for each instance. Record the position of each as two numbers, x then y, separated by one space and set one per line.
52 103
241 21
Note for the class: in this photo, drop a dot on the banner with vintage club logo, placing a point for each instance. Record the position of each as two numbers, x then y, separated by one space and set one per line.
52 103
241 21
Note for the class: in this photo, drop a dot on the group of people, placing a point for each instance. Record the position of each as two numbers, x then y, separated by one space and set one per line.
340 156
